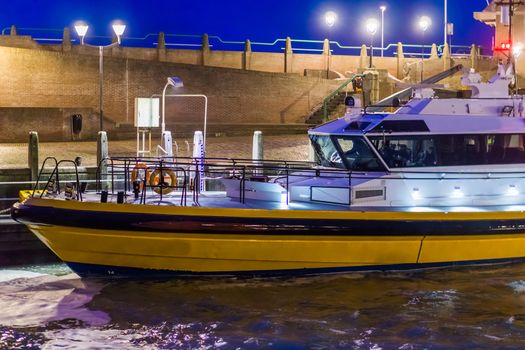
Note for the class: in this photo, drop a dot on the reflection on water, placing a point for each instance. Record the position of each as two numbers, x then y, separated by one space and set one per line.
49 308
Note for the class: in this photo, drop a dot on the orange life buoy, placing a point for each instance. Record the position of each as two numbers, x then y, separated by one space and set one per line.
140 172
169 179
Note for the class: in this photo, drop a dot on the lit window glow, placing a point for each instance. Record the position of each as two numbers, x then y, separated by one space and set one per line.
512 191
457 193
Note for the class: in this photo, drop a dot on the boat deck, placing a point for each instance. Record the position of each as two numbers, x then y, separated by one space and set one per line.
219 199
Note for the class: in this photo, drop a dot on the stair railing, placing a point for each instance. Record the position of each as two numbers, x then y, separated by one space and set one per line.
328 98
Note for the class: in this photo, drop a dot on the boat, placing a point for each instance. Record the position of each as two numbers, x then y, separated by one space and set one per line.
417 188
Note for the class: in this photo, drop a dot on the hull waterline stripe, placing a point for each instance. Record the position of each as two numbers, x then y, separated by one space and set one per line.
92 270
134 222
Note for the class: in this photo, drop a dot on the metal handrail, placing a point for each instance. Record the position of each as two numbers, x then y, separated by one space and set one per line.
56 173
328 98
220 40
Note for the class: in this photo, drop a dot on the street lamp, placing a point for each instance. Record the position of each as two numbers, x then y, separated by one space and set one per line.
383 9
176 82
330 18
424 23
445 29
517 49
81 29
371 27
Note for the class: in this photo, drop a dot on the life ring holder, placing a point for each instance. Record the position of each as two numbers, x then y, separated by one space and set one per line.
135 174
162 188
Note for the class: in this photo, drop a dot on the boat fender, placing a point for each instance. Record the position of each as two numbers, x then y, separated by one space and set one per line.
140 173
162 182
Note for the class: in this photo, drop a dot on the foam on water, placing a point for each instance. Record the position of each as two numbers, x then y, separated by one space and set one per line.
42 298
517 286
9 275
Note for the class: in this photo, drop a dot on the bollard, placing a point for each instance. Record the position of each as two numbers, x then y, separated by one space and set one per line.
257 151
102 154
32 155
257 146
198 155
167 144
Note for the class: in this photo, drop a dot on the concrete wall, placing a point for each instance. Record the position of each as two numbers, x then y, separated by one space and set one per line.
286 62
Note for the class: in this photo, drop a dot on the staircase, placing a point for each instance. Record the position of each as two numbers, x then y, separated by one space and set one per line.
335 107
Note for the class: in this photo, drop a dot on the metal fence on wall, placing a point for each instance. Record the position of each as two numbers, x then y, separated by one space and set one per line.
194 42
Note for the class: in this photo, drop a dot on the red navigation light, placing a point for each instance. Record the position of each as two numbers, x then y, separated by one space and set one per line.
503 47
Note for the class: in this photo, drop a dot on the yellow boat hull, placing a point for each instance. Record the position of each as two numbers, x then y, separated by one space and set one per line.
223 253
203 251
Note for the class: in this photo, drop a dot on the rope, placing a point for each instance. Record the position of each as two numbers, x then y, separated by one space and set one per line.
5 211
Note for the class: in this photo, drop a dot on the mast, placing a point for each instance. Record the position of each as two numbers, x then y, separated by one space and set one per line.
445 31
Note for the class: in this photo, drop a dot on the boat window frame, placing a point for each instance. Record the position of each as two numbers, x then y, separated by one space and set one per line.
481 141
382 167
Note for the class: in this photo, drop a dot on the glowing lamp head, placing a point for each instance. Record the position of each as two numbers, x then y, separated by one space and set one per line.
330 18
81 28
424 23
119 29
382 8
175 82
371 26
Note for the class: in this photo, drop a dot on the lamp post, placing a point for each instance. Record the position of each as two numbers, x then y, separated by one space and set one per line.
176 82
517 49
118 29
382 8
445 29
424 23
371 27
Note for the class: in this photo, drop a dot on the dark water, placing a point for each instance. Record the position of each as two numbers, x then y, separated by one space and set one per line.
482 308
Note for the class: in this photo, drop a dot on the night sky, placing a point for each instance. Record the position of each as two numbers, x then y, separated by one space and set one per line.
263 20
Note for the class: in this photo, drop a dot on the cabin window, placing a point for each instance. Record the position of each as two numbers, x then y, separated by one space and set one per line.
450 150
325 152
350 152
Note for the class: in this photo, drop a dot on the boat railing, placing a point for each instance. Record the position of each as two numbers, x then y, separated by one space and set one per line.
183 174
151 179
73 187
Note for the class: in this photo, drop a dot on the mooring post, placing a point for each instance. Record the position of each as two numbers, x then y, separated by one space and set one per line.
257 151
32 155
257 146
198 158
102 155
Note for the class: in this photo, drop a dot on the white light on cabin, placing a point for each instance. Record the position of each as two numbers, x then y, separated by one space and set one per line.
512 191
415 193
457 193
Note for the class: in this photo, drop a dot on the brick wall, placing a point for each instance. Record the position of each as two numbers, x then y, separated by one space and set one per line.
57 80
